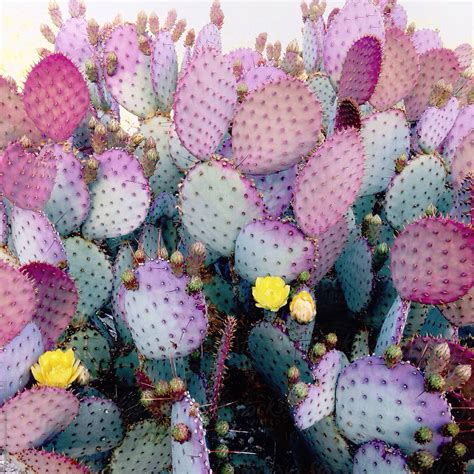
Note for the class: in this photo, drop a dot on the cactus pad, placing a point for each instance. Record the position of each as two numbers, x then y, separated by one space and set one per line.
204 103
120 196
16 359
399 71
145 448
57 297
18 302
461 311
385 136
462 164
377 457
96 428
461 128
35 238
273 248
426 40
90 269
68 203
375 402
259 76
216 203
192 455
267 119
431 261
73 42
130 84
361 68
44 461
328 184
162 301
26 179
321 86
420 184
56 84
34 415
393 326
354 272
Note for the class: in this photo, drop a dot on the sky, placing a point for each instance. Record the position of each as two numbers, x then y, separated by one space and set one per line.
20 22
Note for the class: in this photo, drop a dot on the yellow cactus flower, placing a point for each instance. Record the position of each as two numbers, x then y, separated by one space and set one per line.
270 292
57 368
303 307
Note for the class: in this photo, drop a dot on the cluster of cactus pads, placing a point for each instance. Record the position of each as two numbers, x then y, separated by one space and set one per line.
342 168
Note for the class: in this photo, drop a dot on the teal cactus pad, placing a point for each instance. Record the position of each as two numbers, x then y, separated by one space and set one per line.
120 196
216 202
265 121
220 293
273 353
68 204
164 369
360 345
331 449
35 415
362 206
131 84
400 69
91 348
329 182
435 324
385 135
420 184
416 318
321 399
375 402
321 86
145 448
51 463
354 272
204 103
4 228
91 270
125 367
150 240
192 455
164 205
432 261
18 302
271 247
377 457
383 296
35 238
16 359
393 326
461 311
96 428
162 301
182 158
313 37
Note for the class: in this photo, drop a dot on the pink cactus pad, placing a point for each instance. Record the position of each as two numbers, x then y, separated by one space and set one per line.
26 179
52 463
208 38
330 245
432 261
463 161
35 415
130 84
14 123
465 54
358 18
204 103
35 238
120 196
399 71
56 96
328 184
435 64
461 128
461 311
259 76
347 115
277 190
248 58
57 296
275 126
72 40
361 69
312 44
18 302
397 17
426 40
435 123
68 204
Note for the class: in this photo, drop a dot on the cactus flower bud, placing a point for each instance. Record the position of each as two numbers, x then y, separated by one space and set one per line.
317 351
303 307
139 256
420 460
237 68
195 284
93 122
227 468
217 15
113 125
163 253
129 280
147 397
162 388
260 42
304 276
434 383
222 451
423 435
380 256
177 388
90 170
393 355
55 13
458 376
438 358
190 38
154 23
144 45
178 30
440 94
177 263
293 375
331 340
298 393
431 210
25 142
93 31
450 430
91 70
180 433
276 51
400 163
454 450
141 22
111 63
269 51
371 226
222 428
170 20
